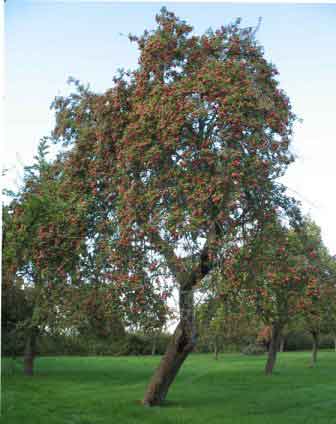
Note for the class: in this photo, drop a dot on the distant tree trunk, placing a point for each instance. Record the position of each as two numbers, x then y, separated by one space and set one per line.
273 348
216 347
29 354
154 344
335 342
315 347
282 343
181 344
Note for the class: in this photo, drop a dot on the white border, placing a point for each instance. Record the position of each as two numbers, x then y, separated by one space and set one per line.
2 134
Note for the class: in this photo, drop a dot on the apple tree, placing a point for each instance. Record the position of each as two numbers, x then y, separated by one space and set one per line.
179 155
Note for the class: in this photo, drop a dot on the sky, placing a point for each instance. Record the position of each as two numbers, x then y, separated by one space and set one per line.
46 42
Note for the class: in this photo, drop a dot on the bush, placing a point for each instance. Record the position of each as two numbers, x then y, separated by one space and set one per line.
298 340
304 341
327 341
129 344
140 344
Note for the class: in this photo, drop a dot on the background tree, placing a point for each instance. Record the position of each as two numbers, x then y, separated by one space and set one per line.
223 319
329 294
318 308
282 274
34 263
15 304
154 319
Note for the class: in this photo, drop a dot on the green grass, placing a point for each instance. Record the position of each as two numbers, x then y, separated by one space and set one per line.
101 390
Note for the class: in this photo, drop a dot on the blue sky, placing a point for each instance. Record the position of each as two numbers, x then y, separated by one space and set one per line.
46 42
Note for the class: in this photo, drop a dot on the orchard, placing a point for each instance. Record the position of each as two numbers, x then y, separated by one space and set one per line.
167 186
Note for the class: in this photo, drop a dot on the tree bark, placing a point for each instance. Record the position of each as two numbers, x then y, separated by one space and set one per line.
181 344
273 348
315 347
29 354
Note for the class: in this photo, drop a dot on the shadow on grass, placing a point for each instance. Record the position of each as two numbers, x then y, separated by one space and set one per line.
164 405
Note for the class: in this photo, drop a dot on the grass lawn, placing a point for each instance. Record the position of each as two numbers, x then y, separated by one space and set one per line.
97 390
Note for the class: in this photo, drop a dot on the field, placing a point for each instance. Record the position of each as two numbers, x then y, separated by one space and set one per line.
232 390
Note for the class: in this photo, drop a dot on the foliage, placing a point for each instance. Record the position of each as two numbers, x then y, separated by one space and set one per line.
177 154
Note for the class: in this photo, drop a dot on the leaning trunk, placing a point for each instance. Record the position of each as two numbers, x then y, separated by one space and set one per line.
181 344
29 355
272 350
315 348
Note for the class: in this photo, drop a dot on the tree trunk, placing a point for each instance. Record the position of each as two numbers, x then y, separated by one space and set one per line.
273 348
181 344
282 344
154 344
315 347
216 348
335 342
29 354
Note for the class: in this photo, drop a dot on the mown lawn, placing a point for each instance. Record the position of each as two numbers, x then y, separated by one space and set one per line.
97 390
